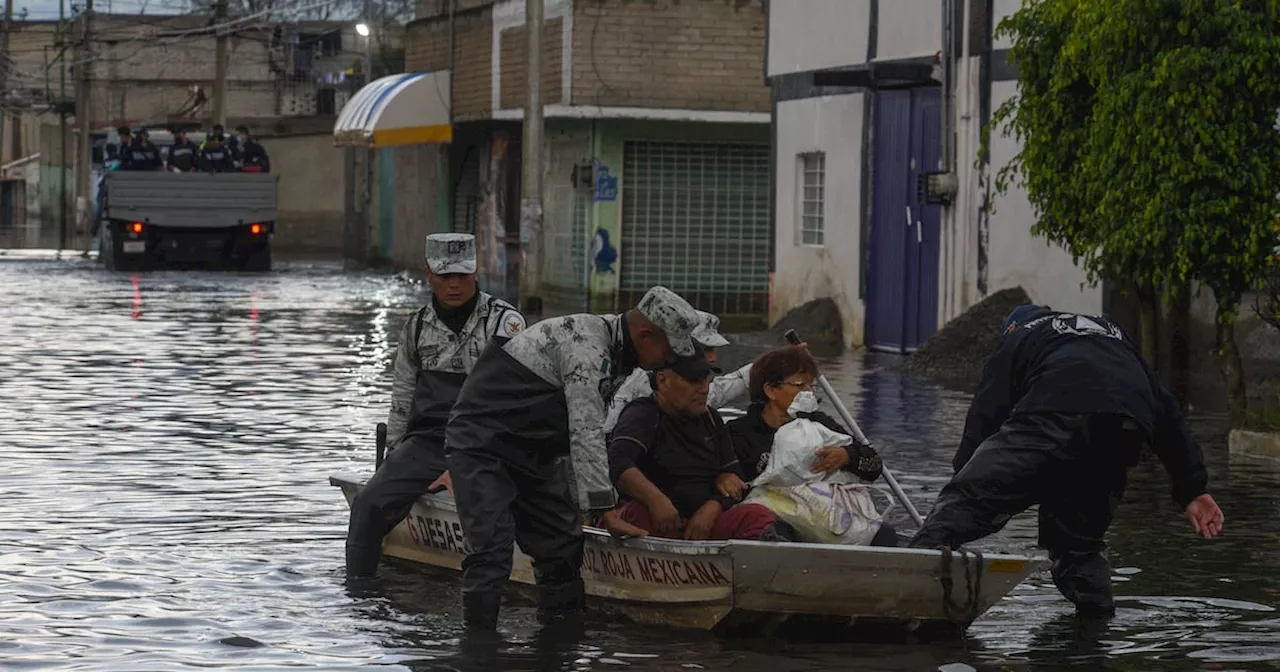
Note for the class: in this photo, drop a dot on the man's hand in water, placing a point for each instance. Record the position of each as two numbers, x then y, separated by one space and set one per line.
1205 516
611 521
445 481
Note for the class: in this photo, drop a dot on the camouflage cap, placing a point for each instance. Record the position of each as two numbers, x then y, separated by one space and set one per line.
669 312
707 334
451 253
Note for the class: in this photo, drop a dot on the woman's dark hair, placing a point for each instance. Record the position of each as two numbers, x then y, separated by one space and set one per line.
777 365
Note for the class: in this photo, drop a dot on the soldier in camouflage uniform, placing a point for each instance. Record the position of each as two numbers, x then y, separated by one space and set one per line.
525 406
438 346
724 389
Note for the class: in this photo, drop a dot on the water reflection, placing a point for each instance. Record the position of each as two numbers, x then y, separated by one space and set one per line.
167 439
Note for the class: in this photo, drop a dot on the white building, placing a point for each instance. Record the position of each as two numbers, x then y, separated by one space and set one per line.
859 114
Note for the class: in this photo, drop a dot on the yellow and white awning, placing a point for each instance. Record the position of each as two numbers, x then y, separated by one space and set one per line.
406 109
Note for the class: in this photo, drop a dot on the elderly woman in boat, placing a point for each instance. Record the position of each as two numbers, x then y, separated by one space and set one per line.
780 380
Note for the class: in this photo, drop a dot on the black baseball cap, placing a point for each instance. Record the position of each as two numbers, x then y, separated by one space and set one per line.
695 366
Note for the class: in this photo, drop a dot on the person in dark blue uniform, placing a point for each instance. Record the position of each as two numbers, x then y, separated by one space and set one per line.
1065 407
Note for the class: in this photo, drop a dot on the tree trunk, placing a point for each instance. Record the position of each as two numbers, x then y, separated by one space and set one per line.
1150 341
1180 344
1232 372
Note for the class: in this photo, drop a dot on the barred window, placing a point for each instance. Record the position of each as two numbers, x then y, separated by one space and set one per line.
813 168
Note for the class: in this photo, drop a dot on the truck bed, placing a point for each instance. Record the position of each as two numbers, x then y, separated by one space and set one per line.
190 200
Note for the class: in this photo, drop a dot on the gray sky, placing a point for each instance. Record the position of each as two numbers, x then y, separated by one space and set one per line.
48 9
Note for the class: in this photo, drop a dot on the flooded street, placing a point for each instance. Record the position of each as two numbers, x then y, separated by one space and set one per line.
167 439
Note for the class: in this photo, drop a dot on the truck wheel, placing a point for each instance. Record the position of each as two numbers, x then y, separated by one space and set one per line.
111 254
258 261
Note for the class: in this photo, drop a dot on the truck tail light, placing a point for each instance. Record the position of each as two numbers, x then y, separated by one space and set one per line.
136 227
255 229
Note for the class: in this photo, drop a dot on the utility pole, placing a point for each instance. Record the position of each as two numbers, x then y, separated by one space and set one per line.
62 123
5 65
220 65
531 171
84 117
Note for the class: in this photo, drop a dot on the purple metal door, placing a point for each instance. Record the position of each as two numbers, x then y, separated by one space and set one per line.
886 279
902 282
923 238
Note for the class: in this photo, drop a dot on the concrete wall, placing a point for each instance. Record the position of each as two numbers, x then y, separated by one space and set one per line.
564 272
21 133
908 29
814 34
833 125
416 203
1015 257
309 211
145 68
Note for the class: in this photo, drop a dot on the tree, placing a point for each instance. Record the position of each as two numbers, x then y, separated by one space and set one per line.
1149 144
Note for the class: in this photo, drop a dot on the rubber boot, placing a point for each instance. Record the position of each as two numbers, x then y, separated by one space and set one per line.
558 601
362 563
480 610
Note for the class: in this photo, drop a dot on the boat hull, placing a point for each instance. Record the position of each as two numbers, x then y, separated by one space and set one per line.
756 586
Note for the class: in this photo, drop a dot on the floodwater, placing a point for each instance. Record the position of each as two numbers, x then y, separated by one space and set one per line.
166 440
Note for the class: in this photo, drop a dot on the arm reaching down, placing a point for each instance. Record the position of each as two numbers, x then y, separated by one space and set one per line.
580 374
1178 450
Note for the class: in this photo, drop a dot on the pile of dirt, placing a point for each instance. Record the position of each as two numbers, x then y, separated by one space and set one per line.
818 323
955 355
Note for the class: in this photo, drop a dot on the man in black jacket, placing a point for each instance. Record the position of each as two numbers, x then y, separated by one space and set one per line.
252 157
183 154
214 158
1064 408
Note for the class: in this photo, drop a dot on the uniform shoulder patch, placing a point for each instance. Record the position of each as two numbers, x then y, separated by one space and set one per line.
510 324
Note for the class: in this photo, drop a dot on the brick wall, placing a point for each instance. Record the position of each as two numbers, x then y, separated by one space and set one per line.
511 64
427 48
678 54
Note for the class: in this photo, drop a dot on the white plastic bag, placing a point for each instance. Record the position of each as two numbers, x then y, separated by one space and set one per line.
823 508
795 448
824 512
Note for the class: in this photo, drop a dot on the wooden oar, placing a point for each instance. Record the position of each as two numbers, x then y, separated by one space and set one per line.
794 339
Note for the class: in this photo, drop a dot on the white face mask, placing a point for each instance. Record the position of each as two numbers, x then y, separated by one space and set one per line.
805 402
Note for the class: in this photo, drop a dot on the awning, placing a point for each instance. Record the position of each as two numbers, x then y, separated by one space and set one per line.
405 109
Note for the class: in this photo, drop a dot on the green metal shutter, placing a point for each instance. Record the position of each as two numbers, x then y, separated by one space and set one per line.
695 218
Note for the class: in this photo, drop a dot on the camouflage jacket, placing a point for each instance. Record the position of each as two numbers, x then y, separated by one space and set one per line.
586 356
439 349
724 390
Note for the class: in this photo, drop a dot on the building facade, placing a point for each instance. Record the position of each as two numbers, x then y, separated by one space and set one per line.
158 71
868 96
656 154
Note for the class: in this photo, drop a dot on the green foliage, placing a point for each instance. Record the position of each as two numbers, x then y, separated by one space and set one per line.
1148 133
1264 418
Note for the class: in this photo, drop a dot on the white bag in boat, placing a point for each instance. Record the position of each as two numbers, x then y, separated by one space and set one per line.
824 512
828 509
795 448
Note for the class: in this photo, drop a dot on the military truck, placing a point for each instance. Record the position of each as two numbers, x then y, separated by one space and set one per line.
169 220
